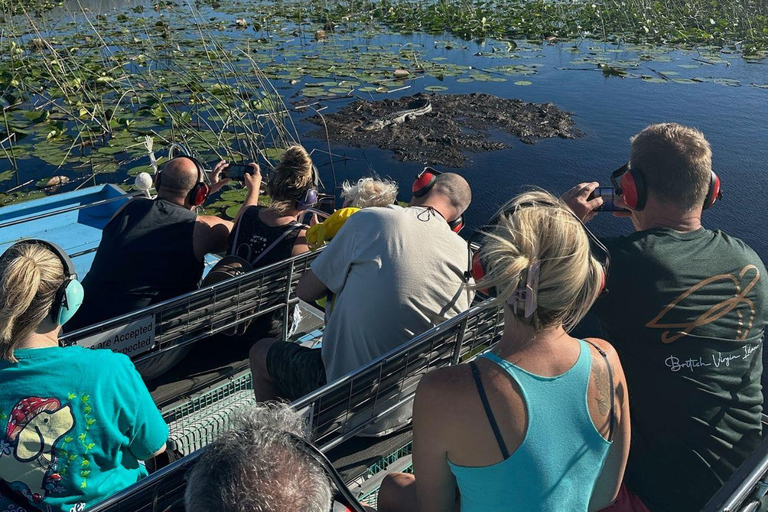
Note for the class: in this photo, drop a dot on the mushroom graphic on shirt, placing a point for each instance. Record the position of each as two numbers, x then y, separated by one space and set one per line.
34 426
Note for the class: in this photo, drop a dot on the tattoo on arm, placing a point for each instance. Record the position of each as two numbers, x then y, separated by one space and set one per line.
603 388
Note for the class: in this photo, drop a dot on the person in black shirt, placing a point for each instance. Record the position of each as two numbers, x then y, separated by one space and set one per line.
153 250
686 311
264 235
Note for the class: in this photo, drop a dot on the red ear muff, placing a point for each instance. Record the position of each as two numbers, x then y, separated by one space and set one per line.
714 193
633 190
199 194
424 182
457 225
477 271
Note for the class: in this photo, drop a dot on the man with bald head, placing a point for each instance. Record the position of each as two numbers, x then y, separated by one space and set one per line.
153 250
396 272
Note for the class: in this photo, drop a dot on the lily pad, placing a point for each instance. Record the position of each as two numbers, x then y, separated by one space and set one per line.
435 88
523 82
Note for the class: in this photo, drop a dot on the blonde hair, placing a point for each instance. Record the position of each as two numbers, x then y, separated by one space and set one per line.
369 192
292 178
676 162
30 274
537 226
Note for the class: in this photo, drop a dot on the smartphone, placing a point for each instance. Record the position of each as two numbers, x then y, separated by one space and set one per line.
326 203
237 171
609 195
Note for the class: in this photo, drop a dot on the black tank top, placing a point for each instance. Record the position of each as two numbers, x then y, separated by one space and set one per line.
146 255
259 244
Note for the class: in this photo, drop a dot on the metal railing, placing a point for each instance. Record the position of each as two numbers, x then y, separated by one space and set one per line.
183 320
747 487
346 406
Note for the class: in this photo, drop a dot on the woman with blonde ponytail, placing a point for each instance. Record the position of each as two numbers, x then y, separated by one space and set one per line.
541 422
74 422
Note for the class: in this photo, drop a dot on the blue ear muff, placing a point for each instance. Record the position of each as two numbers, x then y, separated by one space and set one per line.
72 299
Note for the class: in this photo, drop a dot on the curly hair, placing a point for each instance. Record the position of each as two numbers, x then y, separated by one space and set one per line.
369 192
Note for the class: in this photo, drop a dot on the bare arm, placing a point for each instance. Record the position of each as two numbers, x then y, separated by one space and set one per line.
610 478
436 485
160 451
253 184
300 245
210 235
310 288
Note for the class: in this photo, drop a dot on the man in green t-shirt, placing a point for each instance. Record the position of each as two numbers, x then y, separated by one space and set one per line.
687 309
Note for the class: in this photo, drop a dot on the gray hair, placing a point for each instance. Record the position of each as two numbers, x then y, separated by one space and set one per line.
369 192
257 467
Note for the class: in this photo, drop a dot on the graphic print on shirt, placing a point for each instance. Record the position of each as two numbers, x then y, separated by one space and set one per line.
739 304
27 452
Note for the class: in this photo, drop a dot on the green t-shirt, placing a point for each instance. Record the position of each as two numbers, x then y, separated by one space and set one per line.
74 424
687 312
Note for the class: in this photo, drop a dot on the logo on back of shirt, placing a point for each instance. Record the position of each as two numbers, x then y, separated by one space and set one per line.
739 303
27 453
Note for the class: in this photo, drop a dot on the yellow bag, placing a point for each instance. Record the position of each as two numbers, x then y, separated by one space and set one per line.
320 234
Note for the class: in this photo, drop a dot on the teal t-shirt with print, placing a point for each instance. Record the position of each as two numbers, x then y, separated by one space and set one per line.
74 424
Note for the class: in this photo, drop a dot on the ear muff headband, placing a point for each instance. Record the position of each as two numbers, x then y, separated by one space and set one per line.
200 191
69 296
424 182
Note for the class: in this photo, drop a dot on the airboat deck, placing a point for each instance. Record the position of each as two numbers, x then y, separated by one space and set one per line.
200 396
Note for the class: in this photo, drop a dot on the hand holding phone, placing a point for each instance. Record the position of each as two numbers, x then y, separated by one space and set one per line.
609 199
237 171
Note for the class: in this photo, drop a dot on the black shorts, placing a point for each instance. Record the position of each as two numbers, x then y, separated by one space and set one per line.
295 371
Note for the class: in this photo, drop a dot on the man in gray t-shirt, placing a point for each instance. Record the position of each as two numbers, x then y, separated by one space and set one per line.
396 272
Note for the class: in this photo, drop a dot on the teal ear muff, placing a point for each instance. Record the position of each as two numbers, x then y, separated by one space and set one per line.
69 296
71 301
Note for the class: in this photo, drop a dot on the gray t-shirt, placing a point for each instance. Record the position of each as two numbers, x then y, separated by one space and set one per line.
396 273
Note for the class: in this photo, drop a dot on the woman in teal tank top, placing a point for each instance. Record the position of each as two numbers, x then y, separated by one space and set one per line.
540 423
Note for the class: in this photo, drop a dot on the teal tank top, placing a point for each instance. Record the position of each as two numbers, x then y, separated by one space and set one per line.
557 464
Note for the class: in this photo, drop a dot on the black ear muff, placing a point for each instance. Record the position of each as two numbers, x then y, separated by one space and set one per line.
424 182
200 191
714 193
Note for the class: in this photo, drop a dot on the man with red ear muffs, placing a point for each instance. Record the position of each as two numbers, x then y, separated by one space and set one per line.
686 311
395 272
152 250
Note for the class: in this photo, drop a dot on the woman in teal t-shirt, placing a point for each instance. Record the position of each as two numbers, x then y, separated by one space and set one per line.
74 423
528 426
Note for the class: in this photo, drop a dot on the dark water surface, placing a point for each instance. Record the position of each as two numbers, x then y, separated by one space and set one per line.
608 110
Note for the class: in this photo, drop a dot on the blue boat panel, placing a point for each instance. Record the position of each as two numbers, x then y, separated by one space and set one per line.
77 231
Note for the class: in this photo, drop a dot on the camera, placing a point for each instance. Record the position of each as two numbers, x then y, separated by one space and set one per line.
609 195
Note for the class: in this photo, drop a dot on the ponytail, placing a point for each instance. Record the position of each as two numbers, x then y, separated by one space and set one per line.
30 275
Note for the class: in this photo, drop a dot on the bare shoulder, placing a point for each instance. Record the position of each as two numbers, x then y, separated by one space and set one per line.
211 221
442 390
610 352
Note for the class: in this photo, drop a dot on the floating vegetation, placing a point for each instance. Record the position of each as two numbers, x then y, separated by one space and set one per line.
455 123
81 90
